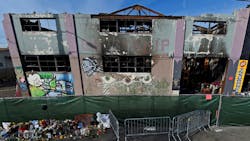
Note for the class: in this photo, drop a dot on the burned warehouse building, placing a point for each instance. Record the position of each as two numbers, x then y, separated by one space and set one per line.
132 51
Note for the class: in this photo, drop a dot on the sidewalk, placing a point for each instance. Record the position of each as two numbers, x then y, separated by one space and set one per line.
230 133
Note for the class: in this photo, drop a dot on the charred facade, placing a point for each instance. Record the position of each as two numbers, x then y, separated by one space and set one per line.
139 52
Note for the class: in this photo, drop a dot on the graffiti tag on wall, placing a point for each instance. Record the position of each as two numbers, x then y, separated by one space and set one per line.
127 83
90 66
21 86
50 84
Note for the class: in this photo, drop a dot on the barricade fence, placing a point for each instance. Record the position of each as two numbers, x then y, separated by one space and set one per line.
199 120
147 126
180 126
25 109
235 111
180 123
229 111
185 124
114 125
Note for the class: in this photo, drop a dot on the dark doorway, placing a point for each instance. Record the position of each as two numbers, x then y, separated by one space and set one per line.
202 75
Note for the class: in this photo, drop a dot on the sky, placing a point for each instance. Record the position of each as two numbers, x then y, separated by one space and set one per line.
166 7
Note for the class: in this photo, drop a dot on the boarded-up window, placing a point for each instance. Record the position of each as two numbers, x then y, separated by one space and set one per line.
127 63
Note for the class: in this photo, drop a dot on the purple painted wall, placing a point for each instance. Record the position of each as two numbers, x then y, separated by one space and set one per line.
73 54
22 87
178 53
237 45
10 35
239 34
179 38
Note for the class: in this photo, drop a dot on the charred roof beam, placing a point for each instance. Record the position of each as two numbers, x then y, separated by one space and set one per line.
135 12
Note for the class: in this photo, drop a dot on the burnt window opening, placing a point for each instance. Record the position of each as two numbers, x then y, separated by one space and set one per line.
108 26
126 26
7 57
46 63
210 27
202 75
38 24
127 63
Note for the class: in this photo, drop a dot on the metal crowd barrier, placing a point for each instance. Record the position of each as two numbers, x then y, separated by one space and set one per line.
147 126
114 124
179 124
200 120
188 123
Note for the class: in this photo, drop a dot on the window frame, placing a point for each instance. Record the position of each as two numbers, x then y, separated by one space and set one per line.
122 26
46 63
209 28
39 25
127 64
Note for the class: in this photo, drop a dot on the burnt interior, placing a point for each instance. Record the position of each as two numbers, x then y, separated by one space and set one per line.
124 26
46 63
126 63
210 27
202 75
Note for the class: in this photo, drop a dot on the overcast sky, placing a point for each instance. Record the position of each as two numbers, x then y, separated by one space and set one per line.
167 7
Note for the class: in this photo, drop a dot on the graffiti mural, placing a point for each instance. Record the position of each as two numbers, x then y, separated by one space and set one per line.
130 83
21 86
90 66
50 84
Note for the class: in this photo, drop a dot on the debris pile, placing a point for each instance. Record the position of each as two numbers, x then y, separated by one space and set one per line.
83 126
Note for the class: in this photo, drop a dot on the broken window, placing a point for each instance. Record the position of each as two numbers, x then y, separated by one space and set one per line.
202 75
46 63
210 27
38 24
127 63
143 26
108 26
124 26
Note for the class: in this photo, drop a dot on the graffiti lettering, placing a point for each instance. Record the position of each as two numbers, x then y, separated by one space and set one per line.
127 80
21 89
90 66
50 84
160 45
238 82
22 84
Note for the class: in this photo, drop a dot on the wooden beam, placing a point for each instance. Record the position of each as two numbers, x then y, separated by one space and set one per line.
133 17
139 8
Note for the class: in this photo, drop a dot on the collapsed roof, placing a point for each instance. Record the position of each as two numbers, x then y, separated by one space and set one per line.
134 12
